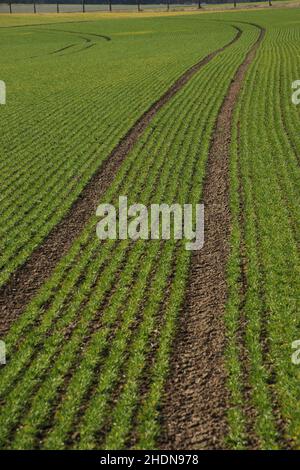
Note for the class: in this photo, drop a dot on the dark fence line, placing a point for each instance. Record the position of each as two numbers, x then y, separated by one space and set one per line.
110 5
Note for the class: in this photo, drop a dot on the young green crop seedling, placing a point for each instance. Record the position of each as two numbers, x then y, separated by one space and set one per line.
90 348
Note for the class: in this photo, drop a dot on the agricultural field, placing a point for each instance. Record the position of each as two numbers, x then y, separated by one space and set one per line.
140 343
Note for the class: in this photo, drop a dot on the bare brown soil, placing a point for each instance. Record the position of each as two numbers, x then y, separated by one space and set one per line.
196 402
27 279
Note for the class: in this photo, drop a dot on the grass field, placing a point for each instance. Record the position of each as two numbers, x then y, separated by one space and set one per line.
113 344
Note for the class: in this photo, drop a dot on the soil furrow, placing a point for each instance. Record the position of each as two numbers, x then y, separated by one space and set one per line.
27 279
196 402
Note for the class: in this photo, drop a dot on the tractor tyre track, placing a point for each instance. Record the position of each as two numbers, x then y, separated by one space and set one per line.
196 402
29 277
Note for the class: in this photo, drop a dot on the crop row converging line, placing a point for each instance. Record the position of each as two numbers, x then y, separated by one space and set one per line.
28 278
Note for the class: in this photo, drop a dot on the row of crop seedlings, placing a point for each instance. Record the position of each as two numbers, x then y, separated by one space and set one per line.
265 239
54 182
36 195
84 343
289 73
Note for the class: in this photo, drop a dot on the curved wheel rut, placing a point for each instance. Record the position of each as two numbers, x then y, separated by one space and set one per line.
25 282
195 406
